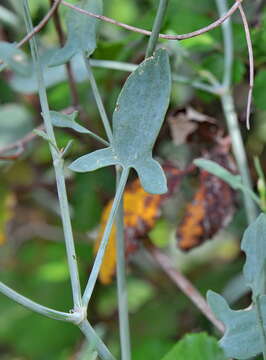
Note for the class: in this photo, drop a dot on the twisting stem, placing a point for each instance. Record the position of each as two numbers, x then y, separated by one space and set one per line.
162 36
121 279
100 254
98 100
33 306
230 114
156 27
251 64
58 167
95 340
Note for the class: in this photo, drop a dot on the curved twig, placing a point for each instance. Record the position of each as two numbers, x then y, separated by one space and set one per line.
201 31
251 63
185 286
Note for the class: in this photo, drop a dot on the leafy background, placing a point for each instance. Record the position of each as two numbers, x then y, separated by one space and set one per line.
32 254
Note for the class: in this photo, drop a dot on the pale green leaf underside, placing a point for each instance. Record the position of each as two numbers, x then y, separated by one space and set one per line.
232 180
137 120
196 347
242 337
14 58
81 30
212 167
254 245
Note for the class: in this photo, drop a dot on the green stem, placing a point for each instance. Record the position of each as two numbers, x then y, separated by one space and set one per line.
98 100
261 327
121 279
100 254
156 27
121 275
231 116
40 309
58 167
95 341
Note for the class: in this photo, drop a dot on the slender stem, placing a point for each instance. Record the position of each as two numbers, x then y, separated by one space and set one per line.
161 11
95 341
58 166
121 279
123 66
98 100
185 285
251 64
120 247
40 309
201 31
231 116
261 326
100 254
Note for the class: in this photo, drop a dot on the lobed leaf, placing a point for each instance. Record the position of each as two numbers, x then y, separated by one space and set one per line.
137 120
242 338
254 246
81 31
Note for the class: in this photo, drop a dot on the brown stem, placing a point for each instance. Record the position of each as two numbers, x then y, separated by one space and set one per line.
42 23
163 36
185 285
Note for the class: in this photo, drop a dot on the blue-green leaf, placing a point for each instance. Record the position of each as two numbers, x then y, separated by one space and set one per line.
196 347
81 32
137 120
14 58
242 337
254 245
94 160
67 121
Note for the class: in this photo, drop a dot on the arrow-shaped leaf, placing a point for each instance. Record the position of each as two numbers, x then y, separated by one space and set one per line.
137 120
81 31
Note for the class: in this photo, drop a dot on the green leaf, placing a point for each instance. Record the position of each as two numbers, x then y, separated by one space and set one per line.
81 32
232 180
254 246
14 58
137 120
196 347
242 338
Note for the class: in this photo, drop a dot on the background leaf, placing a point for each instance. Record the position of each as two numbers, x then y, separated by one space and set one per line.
196 347
81 32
